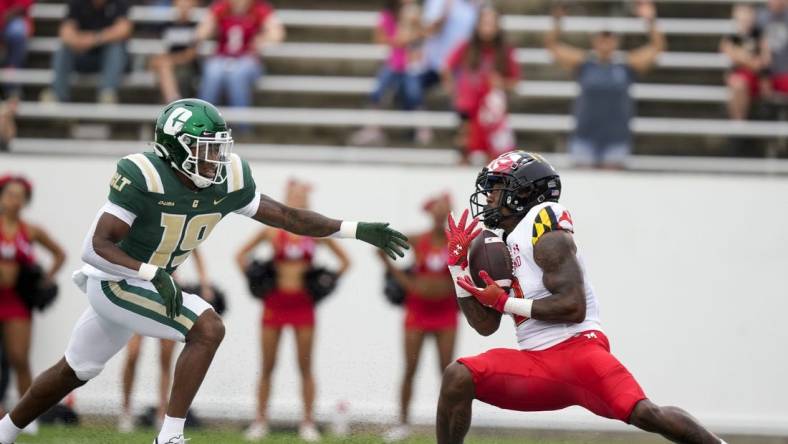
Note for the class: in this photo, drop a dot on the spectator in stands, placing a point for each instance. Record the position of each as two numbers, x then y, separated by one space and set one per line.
17 238
289 304
177 66
744 50
478 74
93 35
604 108
15 29
773 22
399 28
243 28
447 23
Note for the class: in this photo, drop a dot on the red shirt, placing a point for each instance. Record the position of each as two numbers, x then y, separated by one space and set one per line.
430 313
16 248
6 5
236 33
290 247
430 259
473 85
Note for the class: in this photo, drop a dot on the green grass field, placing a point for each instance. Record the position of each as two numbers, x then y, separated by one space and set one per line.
94 434
103 435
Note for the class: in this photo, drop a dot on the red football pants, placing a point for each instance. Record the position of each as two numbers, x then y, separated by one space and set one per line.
579 371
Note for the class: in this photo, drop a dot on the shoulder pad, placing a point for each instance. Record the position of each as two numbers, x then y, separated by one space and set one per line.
141 172
551 217
239 174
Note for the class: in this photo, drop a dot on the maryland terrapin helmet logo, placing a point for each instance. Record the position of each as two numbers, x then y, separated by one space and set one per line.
193 136
524 180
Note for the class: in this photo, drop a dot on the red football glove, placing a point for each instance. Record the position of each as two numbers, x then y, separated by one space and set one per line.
460 238
491 296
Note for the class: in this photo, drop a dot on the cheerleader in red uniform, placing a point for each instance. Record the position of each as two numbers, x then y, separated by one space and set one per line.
289 304
430 304
17 238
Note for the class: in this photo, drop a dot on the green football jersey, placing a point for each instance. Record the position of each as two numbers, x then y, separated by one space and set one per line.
172 219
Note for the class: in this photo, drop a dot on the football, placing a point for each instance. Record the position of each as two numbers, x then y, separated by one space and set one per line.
489 253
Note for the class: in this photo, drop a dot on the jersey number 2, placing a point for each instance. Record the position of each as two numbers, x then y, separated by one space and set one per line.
197 230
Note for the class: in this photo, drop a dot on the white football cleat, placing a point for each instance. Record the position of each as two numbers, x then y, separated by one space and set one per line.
177 439
397 433
256 431
308 432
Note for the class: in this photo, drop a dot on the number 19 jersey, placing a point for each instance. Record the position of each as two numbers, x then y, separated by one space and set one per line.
170 219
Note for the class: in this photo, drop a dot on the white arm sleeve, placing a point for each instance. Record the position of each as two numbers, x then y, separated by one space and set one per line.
119 212
89 255
251 208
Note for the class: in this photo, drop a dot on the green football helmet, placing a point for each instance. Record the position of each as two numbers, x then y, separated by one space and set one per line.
192 135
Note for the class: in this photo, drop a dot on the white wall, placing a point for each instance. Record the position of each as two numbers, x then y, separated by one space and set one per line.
691 273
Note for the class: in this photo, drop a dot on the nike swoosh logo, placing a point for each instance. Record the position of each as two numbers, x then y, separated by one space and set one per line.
217 202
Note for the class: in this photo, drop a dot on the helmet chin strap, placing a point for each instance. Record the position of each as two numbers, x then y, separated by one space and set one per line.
200 182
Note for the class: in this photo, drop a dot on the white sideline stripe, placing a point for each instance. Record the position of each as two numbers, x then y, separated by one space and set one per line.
363 85
366 51
431 157
399 119
368 19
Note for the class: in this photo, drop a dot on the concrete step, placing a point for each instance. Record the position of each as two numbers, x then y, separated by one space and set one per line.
334 126
439 157
545 142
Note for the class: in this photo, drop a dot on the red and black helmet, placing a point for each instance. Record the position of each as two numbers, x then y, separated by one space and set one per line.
524 179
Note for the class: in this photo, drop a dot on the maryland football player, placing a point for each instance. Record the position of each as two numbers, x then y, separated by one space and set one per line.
564 356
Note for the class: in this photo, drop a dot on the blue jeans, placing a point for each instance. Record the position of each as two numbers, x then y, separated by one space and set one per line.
587 153
15 41
236 76
109 60
407 86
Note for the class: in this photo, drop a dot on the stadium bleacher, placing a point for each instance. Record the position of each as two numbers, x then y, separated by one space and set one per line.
317 80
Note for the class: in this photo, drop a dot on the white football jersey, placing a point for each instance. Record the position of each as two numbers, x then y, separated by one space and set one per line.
531 333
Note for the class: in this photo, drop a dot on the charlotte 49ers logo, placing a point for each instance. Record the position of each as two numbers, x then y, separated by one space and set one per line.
177 118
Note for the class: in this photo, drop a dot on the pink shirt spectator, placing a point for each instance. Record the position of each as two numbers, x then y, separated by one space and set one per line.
398 55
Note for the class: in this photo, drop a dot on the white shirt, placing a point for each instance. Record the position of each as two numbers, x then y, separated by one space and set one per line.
531 333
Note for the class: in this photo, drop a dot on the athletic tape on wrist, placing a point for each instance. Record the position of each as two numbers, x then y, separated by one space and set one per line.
347 230
520 307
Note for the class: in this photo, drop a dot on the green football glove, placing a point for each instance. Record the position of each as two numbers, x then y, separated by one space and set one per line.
380 235
170 291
